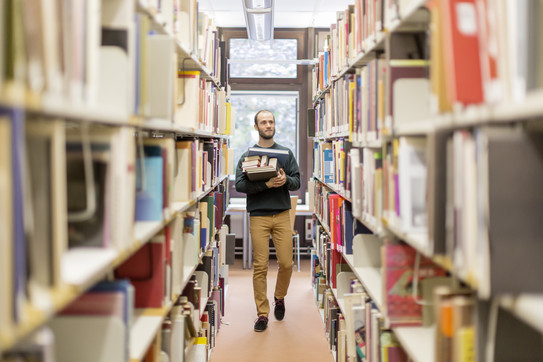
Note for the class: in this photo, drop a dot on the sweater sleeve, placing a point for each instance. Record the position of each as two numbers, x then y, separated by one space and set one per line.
293 173
244 185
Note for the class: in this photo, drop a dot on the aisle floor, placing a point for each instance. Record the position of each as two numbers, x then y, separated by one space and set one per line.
299 337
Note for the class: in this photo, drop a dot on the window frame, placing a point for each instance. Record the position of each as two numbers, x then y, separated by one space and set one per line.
236 33
301 84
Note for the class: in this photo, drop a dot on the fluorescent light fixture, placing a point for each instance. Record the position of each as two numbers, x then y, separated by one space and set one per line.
259 19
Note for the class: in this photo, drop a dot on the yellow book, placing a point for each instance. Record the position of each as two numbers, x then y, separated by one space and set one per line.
228 129
437 70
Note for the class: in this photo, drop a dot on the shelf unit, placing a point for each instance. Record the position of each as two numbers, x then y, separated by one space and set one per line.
82 268
413 17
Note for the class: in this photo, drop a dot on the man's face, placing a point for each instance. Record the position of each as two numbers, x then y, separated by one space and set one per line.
265 125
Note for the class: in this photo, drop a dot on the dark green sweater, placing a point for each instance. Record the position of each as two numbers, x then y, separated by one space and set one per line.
264 201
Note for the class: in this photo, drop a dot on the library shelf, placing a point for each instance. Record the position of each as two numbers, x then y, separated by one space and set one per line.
418 342
526 307
186 59
85 266
145 230
333 134
145 326
376 44
530 107
371 279
418 240
411 17
368 144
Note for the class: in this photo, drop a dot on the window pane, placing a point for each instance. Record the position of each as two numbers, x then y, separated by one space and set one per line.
284 107
279 50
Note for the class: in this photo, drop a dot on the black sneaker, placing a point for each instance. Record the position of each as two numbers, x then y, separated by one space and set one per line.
279 310
261 324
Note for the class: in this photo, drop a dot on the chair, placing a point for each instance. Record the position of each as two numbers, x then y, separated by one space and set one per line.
295 235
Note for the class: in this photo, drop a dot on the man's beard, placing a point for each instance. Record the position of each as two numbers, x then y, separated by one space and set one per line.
265 136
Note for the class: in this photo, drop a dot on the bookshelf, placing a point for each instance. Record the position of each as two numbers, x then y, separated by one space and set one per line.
411 136
84 113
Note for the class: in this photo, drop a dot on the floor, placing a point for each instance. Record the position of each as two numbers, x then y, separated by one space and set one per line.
299 337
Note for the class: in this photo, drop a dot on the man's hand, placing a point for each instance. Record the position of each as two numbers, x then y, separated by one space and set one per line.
277 181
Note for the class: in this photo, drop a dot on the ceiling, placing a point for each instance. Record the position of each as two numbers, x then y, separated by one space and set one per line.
287 14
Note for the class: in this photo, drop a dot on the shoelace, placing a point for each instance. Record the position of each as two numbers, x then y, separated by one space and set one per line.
280 302
262 318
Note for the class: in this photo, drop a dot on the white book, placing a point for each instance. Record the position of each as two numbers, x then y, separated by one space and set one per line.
177 341
187 113
161 73
117 57
89 338
412 184
350 301
183 177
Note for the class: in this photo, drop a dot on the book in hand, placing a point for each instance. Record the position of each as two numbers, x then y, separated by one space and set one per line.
263 172
281 155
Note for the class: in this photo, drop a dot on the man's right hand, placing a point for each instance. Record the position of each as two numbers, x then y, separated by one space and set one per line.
271 182
277 181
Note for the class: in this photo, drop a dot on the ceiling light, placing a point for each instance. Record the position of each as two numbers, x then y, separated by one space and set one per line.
259 19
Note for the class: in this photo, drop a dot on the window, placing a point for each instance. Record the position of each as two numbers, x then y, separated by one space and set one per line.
268 76
248 58
284 106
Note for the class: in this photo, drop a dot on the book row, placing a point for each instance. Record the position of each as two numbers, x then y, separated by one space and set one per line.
455 193
434 64
116 57
486 272
354 31
107 323
357 327
80 198
411 299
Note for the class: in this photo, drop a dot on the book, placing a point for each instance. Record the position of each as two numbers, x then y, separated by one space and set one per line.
281 155
188 103
6 226
162 63
461 50
263 173
117 57
412 184
96 324
399 278
391 349
47 238
145 270
509 205
149 196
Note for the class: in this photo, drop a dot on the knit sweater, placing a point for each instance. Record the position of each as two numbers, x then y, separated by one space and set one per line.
262 200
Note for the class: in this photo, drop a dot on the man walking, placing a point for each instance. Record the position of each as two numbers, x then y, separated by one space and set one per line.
268 204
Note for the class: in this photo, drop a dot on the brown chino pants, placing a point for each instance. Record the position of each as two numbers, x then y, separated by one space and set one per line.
261 227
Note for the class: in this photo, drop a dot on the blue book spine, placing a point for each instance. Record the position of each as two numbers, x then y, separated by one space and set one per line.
149 198
328 172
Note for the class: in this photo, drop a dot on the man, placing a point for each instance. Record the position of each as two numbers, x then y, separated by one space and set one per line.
268 203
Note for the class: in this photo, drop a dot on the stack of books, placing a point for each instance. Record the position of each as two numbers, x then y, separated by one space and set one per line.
260 168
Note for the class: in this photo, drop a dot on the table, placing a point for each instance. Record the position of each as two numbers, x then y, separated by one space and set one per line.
239 206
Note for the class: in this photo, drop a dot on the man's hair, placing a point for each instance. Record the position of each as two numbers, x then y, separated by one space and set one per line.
262 111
